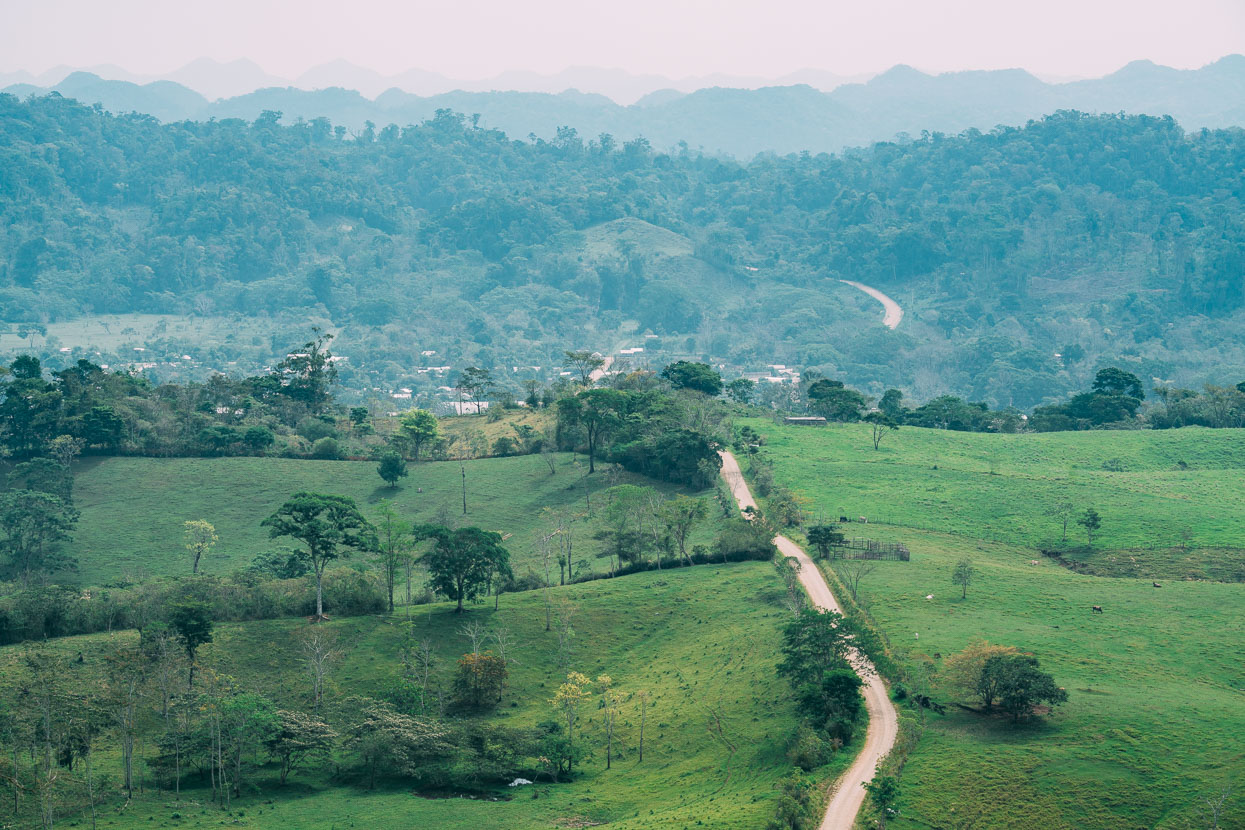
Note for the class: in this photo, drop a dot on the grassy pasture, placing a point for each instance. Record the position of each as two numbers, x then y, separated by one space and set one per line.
999 487
133 508
1156 683
701 640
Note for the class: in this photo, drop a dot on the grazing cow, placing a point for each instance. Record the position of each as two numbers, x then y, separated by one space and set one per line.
1033 561
863 520
1097 609
1156 585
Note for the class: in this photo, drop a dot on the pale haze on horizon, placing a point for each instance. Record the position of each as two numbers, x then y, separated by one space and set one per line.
676 38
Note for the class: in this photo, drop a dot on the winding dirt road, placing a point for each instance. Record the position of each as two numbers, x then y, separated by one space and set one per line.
849 792
893 312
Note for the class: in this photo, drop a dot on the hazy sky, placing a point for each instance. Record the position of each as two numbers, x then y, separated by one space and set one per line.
478 38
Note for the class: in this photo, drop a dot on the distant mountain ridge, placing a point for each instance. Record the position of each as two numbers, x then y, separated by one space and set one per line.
734 121
216 79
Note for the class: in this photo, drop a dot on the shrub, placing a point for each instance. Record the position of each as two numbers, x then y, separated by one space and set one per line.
326 448
313 429
741 540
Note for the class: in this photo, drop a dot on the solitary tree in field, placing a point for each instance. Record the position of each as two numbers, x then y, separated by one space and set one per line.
391 468
1062 513
962 575
200 539
1091 521
330 527
879 424
1018 684
855 570
480 680
643 697
462 561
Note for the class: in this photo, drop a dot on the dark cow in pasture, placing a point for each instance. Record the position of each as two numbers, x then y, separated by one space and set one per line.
1096 609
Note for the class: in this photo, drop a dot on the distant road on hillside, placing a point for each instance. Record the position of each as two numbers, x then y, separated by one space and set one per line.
849 793
893 312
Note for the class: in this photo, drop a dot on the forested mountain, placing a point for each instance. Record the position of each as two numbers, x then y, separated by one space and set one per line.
739 122
1025 257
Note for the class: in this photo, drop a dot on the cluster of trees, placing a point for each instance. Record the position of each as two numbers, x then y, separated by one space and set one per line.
1115 400
151 710
668 426
257 218
1000 676
93 410
639 523
815 651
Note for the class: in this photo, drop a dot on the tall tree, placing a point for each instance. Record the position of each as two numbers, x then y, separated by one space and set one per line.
962 575
391 468
191 622
700 377
462 561
393 545
1062 512
595 411
1091 521
308 374
200 539
330 526
583 362
567 701
30 411
824 538
297 737
417 428
680 514
473 384
879 425
35 525
126 675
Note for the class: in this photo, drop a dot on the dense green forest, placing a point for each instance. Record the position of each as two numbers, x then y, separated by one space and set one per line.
1026 258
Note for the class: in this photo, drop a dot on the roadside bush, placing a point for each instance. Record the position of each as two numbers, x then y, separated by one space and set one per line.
808 750
741 540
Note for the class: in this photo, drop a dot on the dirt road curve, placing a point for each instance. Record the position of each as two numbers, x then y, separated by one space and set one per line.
849 794
893 312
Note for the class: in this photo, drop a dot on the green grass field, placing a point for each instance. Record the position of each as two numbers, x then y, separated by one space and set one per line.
702 641
999 487
133 508
1156 683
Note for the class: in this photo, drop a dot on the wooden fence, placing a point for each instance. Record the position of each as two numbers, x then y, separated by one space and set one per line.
871 549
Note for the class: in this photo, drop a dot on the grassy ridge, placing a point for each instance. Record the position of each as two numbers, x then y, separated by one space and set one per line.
999 487
1155 682
133 508
702 641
